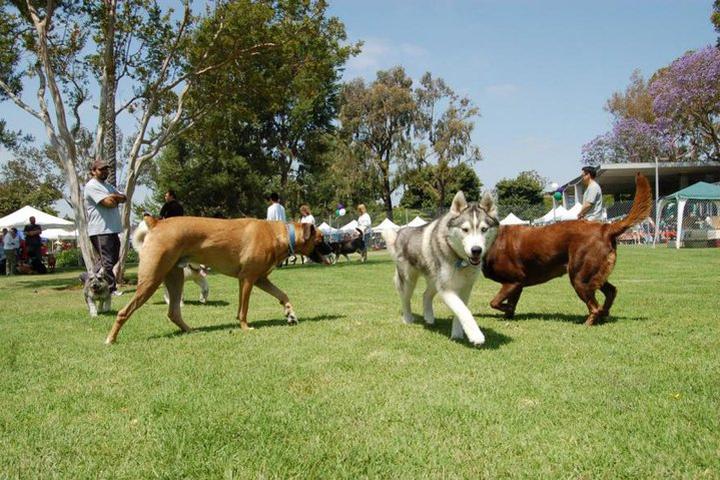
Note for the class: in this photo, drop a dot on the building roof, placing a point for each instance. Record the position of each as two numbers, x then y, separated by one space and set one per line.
619 178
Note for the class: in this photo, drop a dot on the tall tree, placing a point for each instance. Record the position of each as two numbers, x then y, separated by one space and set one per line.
159 57
522 195
444 125
715 19
376 120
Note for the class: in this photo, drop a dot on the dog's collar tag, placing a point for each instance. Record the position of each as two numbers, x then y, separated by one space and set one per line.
291 238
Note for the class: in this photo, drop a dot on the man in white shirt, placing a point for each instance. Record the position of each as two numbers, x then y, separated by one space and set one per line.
104 223
275 211
592 198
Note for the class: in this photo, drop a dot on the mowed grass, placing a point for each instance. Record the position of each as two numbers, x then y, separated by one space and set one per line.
351 392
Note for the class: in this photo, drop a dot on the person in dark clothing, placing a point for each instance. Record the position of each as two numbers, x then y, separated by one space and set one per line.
172 207
34 242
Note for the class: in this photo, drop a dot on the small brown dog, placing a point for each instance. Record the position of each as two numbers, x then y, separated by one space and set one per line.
523 256
248 249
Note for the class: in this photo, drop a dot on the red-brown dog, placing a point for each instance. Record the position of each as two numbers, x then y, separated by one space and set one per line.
523 256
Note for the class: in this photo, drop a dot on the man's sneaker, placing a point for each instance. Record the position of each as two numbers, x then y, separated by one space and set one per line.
117 293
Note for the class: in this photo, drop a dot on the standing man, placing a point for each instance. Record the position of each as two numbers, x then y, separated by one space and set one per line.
11 243
104 224
365 225
592 207
33 242
275 211
172 207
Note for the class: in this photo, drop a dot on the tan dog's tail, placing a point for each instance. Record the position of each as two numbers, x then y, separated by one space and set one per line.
640 210
390 236
142 230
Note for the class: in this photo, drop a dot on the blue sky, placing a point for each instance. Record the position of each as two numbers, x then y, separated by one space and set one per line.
540 71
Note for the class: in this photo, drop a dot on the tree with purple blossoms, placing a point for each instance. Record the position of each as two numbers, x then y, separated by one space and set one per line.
687 95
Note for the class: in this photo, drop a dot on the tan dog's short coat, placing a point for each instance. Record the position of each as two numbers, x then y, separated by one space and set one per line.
247 249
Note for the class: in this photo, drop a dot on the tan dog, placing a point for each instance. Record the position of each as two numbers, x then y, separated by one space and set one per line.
248 249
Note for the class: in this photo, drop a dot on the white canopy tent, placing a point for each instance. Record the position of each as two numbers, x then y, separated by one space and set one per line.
513 219
20 218
350 225
572 214
386 224
324 227
553 215
416 222
59 234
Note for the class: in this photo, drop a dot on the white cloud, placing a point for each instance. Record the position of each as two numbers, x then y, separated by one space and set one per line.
379 54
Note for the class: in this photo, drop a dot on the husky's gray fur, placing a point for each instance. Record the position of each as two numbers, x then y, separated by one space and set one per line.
448 252
97 293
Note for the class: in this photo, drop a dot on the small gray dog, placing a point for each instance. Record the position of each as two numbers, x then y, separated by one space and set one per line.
97 293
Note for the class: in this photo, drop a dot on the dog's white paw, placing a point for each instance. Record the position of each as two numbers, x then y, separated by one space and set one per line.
429 319
408 318
477 340
203 300
292 319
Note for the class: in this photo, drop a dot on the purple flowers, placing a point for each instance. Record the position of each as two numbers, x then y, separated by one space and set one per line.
686 104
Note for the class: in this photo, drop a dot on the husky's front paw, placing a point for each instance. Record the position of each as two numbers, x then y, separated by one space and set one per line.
477 340
408 318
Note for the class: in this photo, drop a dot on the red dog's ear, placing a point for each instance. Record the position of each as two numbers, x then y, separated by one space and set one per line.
308 231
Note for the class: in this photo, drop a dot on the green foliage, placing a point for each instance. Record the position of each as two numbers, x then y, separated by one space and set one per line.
715 19
29 180
352 392
526 187
420 192
68 258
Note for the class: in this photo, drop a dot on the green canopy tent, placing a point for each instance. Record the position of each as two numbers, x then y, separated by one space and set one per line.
707 193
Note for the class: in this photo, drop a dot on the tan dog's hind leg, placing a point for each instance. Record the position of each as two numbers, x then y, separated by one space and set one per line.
245 289
174 282
267 286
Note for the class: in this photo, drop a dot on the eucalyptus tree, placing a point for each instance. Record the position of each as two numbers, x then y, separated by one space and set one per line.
443 127
377 122
78 52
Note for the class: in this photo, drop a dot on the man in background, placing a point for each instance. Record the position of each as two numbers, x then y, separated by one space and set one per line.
104 223
275 211
592 208
172 207
33 242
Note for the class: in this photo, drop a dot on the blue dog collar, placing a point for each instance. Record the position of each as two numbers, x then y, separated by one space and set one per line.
291 238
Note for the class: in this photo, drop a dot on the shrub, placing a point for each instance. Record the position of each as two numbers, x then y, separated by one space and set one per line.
68 258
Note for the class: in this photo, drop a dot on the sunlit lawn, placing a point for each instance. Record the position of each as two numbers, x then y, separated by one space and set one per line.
352 392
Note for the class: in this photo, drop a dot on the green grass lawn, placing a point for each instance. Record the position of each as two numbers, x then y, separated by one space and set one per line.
353 393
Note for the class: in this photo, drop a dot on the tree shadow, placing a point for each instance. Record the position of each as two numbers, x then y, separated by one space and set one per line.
443 326
233 326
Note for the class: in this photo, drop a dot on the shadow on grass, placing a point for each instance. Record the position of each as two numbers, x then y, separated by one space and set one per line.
562 317
443 326
257 325
209 303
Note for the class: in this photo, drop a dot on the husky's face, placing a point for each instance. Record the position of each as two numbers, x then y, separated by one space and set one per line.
470 233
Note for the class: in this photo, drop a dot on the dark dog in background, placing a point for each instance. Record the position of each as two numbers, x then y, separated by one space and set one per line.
355 244
522 256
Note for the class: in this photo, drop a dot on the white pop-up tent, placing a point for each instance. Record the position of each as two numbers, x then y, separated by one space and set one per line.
572 214
20 218
386 224
554 215
350 225
416 222
513 219
59 234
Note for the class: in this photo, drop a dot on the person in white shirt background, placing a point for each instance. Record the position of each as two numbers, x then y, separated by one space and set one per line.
365 225
305 215
275 211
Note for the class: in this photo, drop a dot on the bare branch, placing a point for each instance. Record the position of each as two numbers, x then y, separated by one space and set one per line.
18 101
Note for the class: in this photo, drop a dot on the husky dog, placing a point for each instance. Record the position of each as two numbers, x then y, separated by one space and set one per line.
197 273
97 293
448 251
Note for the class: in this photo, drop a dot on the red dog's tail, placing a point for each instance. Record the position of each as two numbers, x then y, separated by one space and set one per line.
641 207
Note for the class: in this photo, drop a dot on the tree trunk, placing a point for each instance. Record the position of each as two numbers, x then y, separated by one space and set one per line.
110 136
